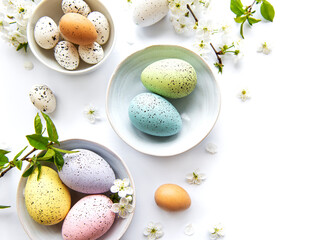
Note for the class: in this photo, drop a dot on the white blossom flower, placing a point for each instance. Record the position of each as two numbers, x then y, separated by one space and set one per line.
238 50
153 231
244 95
181 24
122 187
202 46
91 113
211 148
265 48
123 208
204 28
216 231
189 229
195 177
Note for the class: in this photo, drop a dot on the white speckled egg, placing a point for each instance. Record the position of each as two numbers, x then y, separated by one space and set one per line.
101 25
92 53
154 115
90 218
76 6
86 172
43 98
46 33
67 55
149 12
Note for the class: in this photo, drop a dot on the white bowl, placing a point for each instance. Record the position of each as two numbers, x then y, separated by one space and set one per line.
37 231
53 9
199 110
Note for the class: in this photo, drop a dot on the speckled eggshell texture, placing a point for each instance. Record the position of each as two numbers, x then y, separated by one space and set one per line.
86 172
67 55
149 12
47 200
91 54
43 98
154 115
76 6
172 78
46 33
89 218
101 25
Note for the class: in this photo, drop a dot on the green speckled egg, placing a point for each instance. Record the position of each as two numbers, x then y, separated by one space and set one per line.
47 200
172 78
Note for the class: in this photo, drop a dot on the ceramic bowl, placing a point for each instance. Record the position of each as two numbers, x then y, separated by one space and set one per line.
199 110
53 9
40 232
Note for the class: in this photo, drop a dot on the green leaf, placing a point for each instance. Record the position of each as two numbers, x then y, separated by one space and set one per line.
48 155
52 132
3 207
39 168
4 152
219 66
63 150
241 28
19 154
28 171
38 124
267 11
37 141
3 160
237 7
240 19
58 160
252 20
18 164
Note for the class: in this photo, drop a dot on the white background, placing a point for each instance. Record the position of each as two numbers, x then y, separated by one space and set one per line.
273 176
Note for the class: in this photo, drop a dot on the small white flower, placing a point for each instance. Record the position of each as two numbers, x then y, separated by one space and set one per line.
181 24
211 148
153 231
238 52
195 177
123 208
189 229
202 45
216 231
91 113
265 48
204 28
244 95
122 187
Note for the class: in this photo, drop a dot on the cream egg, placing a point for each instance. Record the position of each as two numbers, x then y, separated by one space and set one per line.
43 98
149 12
76 6
91 54
101 25
67 55
46 33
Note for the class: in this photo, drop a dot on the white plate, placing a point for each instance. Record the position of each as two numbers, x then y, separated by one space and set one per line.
199 110
37 231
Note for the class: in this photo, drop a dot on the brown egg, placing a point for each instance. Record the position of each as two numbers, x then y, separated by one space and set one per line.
77 29
172 197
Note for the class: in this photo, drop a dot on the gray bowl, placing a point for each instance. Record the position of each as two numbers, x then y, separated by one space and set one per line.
40 232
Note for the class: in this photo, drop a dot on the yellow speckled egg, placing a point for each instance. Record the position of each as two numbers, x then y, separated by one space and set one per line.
47 200
172 197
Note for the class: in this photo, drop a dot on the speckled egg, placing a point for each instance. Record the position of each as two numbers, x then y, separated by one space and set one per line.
67 55
172 78
77 29
86 172
43 98
76 6
47 200
91 54
89 218
101 25
172 197
149 12
46 33
154 115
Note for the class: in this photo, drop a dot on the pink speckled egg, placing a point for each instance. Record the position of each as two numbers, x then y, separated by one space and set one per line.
89 218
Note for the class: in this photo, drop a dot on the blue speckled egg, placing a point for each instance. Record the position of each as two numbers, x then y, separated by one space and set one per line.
86 172
154 115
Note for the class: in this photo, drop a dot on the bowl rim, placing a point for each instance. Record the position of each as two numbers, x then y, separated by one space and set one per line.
130 217
93 67
112 79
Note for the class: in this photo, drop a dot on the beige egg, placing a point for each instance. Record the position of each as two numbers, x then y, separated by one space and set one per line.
172 197
77 29
47 199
